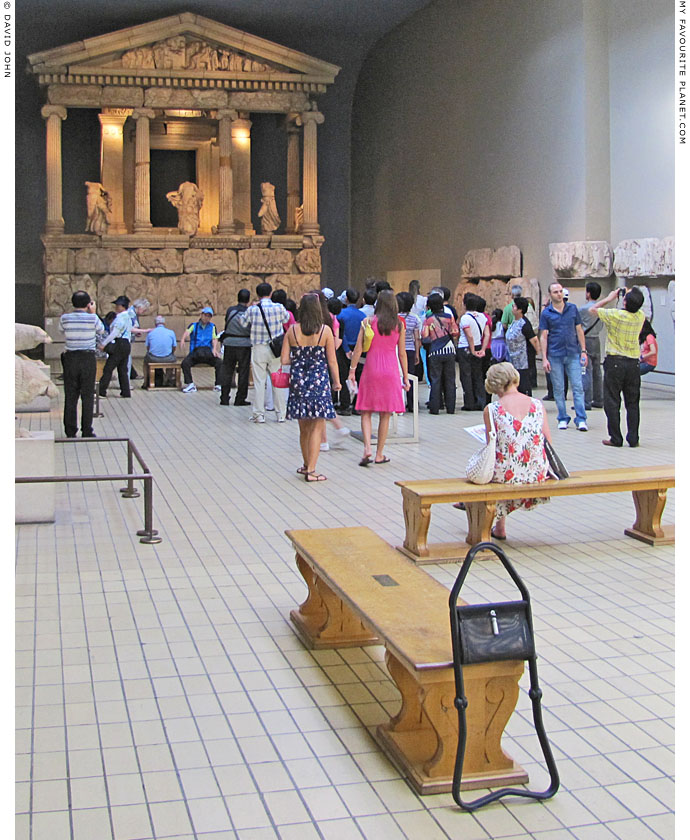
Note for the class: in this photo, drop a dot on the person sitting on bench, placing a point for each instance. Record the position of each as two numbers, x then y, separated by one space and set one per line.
202 335
160 347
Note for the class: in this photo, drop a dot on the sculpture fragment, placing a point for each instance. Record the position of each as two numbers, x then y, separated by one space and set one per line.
268 213
187 199
99 207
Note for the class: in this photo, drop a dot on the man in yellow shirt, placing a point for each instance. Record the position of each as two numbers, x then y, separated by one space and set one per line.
622 366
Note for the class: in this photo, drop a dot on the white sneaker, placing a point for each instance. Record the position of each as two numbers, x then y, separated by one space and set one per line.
257 418
217 388
189 389
324 447
582 426
562 424
280 418
341 434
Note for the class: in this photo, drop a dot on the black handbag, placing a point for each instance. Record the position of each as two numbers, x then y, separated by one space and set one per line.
491 633
276 344
556 467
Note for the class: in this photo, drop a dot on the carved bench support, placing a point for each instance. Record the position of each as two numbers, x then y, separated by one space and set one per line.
324 621
480 517
417 518
422 738
649 506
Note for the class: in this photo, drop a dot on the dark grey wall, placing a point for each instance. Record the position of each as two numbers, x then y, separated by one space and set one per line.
467 134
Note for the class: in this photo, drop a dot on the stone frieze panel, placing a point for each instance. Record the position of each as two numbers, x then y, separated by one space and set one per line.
265 261
186 294
308 261
581 260
59 289
212 260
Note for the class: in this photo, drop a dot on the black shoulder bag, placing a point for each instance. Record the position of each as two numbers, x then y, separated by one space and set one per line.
491 633
276 344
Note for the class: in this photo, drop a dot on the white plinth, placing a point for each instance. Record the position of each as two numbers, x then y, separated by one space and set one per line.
41 404
35 456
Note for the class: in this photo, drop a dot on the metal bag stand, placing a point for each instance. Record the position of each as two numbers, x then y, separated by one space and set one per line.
484 643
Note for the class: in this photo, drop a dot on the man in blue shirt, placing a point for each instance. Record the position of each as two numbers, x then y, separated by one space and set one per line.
350 320
160 347
202 338
563 351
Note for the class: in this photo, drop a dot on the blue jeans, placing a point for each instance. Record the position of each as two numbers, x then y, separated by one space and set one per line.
645 367
571 366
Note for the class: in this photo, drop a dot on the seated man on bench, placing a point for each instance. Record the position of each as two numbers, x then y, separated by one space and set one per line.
202 339
160 347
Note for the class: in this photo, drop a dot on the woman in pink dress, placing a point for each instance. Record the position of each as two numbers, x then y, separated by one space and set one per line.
380 388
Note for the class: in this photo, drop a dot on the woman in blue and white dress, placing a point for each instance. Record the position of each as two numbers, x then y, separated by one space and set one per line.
517 335
309 348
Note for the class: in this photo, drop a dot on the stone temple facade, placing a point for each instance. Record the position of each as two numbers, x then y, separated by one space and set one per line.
181 83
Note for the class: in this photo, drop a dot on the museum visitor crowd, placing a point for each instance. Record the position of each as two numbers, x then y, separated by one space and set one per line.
329 356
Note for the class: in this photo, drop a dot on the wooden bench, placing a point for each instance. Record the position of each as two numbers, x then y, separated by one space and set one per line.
647 484
363 592
150 369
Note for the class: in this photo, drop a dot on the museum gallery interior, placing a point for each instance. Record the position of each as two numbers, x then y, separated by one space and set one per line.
226 673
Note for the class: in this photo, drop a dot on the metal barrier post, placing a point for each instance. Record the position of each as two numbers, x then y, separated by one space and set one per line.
129 492
148 534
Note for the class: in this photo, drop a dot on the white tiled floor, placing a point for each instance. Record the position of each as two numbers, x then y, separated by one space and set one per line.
161 691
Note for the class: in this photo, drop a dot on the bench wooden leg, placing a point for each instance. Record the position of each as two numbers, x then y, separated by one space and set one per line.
423 737
480 517
323 620
417 517
649 506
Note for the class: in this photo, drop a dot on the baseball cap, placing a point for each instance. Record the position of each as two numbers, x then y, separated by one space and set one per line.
122 300
207 310
327 293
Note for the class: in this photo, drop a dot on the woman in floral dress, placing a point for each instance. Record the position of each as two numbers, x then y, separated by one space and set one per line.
521 427
309 349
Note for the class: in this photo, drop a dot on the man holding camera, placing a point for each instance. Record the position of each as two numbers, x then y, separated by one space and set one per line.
621 365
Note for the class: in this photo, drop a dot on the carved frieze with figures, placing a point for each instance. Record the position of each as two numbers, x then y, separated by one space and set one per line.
181 53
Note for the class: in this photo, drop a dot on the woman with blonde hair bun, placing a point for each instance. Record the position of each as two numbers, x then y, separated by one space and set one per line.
521 427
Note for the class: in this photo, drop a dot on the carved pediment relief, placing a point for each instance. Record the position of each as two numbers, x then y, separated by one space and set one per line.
183 53
189 47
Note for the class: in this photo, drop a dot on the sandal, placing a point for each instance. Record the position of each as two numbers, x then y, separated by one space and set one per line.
497 536
302 470
366 460
384 460
314 476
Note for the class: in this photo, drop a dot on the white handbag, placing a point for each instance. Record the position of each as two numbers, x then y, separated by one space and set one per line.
480 467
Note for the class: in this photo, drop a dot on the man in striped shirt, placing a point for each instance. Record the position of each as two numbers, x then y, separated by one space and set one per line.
80 327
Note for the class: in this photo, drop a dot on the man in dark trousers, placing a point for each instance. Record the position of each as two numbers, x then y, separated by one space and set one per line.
120 336
202 349
81 326
621 365
237 351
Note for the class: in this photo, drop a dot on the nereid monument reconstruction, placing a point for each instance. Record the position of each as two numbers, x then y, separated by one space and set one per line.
180 83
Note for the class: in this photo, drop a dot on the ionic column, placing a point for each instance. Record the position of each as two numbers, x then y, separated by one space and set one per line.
54 115
226 119
112 170
310 193
142 169
241 171
293 193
